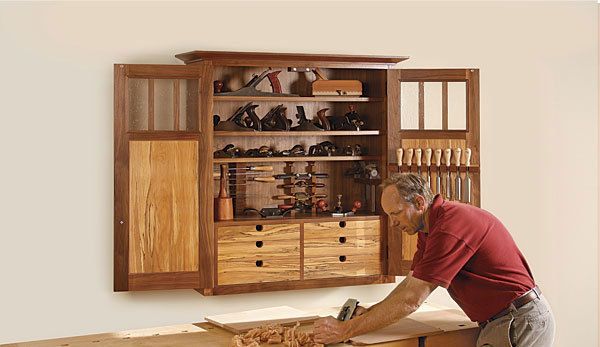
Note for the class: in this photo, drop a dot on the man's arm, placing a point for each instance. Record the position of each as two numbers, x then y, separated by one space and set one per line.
402 301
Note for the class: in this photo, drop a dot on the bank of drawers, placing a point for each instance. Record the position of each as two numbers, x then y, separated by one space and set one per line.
258 253
271 253
341 249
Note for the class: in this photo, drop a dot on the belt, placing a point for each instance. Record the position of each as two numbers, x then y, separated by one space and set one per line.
522 300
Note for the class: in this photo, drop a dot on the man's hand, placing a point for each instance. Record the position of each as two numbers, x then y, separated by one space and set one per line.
330 330
358 311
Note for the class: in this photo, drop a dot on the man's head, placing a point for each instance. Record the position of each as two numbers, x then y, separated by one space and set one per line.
405 198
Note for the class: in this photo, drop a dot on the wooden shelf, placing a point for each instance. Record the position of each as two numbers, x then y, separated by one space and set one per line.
293 159
297 98
297 133
298 218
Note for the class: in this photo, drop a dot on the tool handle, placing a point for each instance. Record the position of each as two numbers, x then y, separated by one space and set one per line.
320 75
457 152
260 168
418 154
409 154
438 157
223 187
428 153
284 197
447 156
467 157
399 154
264 179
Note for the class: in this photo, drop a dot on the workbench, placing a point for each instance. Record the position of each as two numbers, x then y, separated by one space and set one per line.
457 332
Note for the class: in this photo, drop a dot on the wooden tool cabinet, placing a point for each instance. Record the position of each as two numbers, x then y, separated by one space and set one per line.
165 233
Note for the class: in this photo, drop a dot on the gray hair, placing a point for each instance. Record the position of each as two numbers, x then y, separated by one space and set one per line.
409 185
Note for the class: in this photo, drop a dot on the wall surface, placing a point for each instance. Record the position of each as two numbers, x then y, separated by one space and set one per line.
539 141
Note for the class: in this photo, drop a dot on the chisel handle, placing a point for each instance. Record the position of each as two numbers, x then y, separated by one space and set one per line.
428 153
399 154
260 168
283 197
418 154
457 153
447 156
467 157
409 155
438 157
263 179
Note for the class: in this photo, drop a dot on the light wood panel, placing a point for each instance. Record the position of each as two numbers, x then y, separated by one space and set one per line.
244 270
334 230
350 245
252 233
163 181
331 266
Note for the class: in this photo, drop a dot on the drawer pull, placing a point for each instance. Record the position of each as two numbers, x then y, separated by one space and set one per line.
259 228
343 224
343 239
259 244
342 258
259 263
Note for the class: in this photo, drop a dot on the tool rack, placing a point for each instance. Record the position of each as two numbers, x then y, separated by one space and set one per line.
166 235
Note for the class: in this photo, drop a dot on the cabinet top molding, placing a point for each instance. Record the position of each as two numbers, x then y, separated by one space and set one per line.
285 59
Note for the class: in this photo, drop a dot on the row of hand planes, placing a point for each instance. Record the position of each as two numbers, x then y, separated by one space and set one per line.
246 119
462 187
325 148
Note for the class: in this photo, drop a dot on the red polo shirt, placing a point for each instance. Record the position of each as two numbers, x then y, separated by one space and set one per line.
469 252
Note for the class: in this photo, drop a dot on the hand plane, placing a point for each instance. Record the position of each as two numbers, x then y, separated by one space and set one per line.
347 310
324 87
240 122
250 88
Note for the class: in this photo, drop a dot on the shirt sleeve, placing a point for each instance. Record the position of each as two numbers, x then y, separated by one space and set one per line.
443 257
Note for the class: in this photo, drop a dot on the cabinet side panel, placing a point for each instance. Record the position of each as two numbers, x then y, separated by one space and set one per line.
163 194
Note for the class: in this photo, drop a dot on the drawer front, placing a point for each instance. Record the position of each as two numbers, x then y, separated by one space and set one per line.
342 266
272 232
247 254
342 228
332 249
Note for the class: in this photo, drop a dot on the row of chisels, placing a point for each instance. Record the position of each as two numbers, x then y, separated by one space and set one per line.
461 191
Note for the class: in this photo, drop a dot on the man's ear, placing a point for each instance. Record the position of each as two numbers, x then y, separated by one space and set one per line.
420 202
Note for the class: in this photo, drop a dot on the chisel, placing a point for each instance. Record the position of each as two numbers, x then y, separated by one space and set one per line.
457 181
428 163
257 179
399 154
418 154
409 154
447 155
438 178
467 194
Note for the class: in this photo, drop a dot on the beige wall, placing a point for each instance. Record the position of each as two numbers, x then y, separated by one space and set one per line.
539 141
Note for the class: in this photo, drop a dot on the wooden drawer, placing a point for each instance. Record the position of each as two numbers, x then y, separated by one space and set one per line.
342 228
248 233
335 249
251 254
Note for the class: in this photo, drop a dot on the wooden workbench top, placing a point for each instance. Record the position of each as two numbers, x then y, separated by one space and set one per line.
458 332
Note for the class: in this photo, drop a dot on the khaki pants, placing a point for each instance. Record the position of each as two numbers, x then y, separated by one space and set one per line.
532 325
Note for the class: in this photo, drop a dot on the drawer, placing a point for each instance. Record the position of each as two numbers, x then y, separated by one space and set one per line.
250 233
342 228
342 265
228 251
256 270
342 245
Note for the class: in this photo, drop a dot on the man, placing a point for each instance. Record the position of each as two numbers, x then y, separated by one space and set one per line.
466 250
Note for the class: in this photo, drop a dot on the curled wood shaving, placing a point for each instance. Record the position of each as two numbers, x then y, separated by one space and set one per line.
273 334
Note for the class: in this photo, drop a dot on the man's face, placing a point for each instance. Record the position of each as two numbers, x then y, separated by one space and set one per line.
404 215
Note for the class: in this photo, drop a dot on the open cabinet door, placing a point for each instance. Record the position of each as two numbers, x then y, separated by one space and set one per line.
163 135
437 109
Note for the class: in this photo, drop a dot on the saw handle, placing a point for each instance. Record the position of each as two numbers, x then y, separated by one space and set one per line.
438 157
467 157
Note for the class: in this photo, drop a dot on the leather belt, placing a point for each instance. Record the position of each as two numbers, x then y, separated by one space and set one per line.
522 300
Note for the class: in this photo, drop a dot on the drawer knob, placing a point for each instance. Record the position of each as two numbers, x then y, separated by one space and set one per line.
259 228
259 263
343 239
259 244
343 224
342 258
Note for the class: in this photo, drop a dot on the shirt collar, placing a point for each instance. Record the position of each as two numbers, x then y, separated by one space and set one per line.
435 209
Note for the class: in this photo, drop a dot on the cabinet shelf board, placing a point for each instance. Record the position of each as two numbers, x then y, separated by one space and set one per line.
294 159
296 133
298 218
298 98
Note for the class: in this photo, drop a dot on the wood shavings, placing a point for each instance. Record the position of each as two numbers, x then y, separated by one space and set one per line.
275 334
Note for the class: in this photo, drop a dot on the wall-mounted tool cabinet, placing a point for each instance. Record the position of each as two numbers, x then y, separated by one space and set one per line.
178 126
